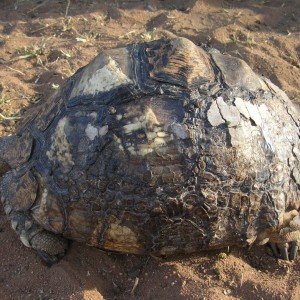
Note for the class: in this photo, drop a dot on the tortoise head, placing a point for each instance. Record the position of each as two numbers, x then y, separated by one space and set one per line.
14 151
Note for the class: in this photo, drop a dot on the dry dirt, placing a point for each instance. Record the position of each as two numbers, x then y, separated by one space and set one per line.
44 42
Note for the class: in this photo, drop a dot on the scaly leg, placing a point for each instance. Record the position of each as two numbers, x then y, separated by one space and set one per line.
287 238
48 245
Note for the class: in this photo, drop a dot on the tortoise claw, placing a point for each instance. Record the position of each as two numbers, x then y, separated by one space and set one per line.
294 249
274 249
285 241
283 248
285 251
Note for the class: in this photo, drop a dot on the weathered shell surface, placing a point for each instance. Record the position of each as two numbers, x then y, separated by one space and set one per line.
159 148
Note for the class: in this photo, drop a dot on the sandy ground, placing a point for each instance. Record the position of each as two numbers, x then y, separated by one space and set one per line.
44 42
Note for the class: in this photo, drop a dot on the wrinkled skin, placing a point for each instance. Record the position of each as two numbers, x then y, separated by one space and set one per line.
158 148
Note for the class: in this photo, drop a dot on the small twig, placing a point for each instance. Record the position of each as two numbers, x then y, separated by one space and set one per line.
3 22
10 118
156 258
136 282
38 6
19 58
41 28
67 9
16 70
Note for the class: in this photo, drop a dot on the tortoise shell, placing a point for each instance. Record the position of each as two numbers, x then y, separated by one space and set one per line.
161 147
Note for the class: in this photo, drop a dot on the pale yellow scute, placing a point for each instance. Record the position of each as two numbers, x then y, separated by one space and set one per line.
83 225
60 148
48 211
108 70
154 131
122 238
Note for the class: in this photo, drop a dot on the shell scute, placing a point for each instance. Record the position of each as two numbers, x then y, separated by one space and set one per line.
179 62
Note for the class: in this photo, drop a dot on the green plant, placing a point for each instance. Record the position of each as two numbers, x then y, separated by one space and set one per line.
33 52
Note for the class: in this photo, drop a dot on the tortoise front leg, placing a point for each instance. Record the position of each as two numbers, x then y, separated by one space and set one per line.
285 239
18 195
49 246
287 244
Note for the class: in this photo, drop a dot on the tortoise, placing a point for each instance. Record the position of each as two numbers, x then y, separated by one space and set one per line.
159 148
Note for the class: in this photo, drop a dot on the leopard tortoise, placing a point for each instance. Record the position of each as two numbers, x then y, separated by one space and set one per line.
156 148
